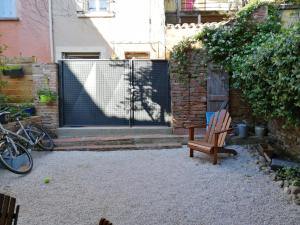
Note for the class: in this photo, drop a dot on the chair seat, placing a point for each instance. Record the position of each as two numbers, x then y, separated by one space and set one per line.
201 146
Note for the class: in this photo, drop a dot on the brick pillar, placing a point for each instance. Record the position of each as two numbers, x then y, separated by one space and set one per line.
44 76
188 101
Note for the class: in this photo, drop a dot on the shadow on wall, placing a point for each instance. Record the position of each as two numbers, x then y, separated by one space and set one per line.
150 92
100 93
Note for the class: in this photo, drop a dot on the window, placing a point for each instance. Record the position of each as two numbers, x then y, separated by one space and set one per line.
98 5
81 55
8 9
137 55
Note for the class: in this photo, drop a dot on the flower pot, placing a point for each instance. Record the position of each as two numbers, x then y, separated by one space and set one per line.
243 130
30 111
260 131
45 99
14 73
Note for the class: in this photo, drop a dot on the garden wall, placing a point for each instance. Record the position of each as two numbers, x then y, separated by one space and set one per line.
19 90
285 141
175 33
189 101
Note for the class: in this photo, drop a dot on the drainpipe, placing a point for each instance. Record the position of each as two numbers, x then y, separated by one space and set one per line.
51 30
178 8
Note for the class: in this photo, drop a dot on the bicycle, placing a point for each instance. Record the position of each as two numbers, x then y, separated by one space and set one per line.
12 145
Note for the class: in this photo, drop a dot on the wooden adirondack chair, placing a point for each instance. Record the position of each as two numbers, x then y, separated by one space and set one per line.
8 215
104 221
214 140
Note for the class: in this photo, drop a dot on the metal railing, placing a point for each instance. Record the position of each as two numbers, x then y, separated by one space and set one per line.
211 5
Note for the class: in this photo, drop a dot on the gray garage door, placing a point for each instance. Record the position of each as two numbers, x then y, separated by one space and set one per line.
114 92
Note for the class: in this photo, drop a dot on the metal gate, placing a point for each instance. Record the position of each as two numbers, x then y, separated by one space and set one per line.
114 92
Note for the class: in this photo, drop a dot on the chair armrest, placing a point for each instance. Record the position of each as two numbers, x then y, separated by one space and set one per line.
223 131
194 126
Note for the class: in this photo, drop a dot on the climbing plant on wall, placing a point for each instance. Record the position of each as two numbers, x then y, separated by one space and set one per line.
262 59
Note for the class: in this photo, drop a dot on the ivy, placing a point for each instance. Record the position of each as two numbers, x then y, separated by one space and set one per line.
269 77
235 38
261 57
181 58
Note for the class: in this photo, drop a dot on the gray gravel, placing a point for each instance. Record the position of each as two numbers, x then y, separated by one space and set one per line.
147 188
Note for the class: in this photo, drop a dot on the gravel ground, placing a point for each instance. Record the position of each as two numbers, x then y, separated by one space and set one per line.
163 187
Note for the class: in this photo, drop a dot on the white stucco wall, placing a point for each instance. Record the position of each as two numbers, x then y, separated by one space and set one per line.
136 25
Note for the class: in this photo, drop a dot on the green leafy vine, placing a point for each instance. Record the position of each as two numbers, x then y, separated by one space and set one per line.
181 59
261 57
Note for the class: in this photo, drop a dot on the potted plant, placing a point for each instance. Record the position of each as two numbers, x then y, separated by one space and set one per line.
46 96
13 71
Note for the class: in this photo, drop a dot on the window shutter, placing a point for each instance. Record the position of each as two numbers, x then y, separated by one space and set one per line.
8 8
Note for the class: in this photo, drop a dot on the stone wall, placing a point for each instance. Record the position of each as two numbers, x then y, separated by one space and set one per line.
44 76
285 141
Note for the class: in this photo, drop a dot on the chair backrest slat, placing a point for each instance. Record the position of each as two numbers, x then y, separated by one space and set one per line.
7 209
222 136
10 213
1 202
220 121
4 209
219 117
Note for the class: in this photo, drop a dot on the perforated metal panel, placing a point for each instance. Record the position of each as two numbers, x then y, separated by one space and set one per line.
114 92
151 92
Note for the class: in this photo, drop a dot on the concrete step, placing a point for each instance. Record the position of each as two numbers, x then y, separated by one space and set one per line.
119 140
65 132
119 147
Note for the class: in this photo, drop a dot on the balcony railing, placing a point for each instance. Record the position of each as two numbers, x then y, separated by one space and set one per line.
210 5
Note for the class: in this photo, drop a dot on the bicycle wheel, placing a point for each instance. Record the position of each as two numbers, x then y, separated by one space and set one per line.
14 157
45 141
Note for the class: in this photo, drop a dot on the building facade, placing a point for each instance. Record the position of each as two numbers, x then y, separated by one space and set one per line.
199 11
108 29
24 29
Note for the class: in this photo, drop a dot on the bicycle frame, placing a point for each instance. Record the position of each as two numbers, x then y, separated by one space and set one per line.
27 139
